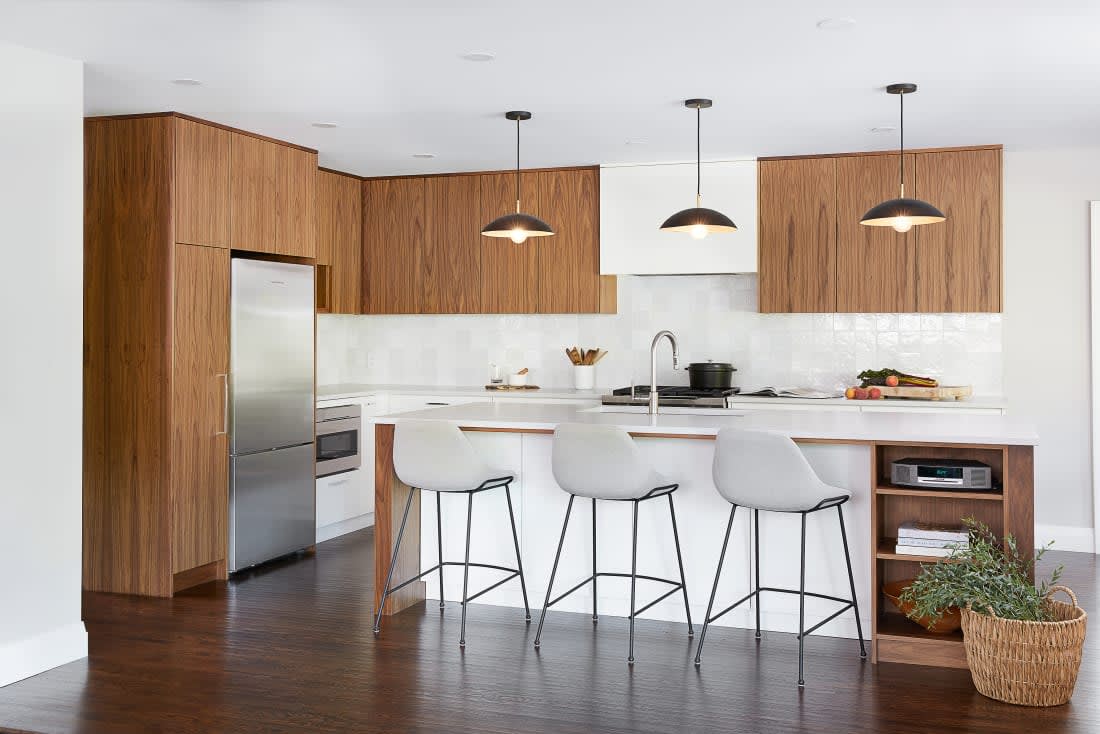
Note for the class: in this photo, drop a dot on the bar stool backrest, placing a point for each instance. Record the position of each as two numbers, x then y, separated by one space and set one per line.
601 462
435 455
766 471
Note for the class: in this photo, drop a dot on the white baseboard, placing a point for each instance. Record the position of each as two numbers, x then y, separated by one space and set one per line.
336 529
1066 538
24 658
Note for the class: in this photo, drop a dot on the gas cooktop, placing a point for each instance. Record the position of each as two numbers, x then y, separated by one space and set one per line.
673 396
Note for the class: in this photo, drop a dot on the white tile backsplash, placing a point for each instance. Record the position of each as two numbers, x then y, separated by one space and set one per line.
713 317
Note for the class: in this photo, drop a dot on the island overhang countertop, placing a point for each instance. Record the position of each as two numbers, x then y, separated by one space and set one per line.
808 425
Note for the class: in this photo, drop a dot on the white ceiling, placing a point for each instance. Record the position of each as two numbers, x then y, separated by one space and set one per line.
596 74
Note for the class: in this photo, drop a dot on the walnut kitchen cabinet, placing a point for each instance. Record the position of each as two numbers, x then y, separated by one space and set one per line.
953 266
797 235
339 242
958 262
509 272
295 201
272 197
393 245
451 258
156 349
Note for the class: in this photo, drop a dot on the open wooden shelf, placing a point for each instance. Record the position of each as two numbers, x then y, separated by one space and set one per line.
899 640
895 624
886 552
940 494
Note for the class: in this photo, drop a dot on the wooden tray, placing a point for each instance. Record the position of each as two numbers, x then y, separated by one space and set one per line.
943 392
511 387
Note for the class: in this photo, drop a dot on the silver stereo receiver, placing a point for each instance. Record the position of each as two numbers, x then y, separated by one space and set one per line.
960 474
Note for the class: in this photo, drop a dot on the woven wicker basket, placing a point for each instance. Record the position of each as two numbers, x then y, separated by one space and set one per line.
1026 663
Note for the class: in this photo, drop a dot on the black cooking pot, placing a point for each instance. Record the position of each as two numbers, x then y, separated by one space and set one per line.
710 375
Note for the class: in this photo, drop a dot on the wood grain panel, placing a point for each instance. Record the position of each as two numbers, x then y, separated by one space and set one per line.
393 243
339 239
958 262
201 194
296 202
390 495
452 245
200 364
509 272
127 241
254 167
797 235
1019 491
569 262
875 272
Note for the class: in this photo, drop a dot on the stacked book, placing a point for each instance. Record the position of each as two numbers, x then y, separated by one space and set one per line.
927 539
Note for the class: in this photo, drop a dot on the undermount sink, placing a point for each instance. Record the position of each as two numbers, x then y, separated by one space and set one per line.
641 410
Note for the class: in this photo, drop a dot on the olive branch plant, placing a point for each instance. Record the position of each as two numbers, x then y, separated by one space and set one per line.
987 575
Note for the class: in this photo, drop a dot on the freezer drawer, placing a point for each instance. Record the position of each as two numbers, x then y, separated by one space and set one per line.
271 505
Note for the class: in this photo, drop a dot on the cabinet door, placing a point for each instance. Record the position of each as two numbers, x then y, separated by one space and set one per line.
874 265
958 262
199 474
509 272
452 245
569 262
201 192
296 201
253 173
393 243
797 235
339 241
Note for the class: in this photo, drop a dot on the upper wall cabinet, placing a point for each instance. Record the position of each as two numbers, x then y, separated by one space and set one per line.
339 243
272 197
451 258
509 273
201 182
393 244
954 266
635 200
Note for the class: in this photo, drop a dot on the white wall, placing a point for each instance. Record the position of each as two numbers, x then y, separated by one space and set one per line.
41 235
1047 342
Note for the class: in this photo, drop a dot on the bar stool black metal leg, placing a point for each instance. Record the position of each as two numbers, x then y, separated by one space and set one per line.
756 554
851 581
519 561
393 563
714 589
633 580
802 604
439 537
466 567
680 561
595 616
554 570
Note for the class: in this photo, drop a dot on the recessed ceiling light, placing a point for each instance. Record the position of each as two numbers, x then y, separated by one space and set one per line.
325 125
835 24
479 56
423 155
637 141
884 129
187 82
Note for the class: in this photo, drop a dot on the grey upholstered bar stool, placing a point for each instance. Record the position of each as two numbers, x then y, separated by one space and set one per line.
604 463
767 471
435 456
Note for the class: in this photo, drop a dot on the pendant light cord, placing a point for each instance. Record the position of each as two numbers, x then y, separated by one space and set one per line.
902 135
698 156
517 165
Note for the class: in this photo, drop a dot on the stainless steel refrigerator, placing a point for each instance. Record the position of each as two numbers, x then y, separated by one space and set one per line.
272 487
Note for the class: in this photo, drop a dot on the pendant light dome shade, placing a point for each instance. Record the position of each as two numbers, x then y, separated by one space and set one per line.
518 226
902 213
698 220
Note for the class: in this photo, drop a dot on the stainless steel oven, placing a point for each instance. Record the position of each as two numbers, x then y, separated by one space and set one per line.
338 439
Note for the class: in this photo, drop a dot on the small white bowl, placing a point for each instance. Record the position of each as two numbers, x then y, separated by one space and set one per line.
517 380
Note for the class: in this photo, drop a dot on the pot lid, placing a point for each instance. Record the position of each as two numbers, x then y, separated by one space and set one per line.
710 366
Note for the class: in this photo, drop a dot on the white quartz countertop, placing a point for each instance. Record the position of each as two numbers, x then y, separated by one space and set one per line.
841 426
355 390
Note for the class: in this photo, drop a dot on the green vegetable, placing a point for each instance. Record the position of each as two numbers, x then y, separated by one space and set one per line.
878 377
987 575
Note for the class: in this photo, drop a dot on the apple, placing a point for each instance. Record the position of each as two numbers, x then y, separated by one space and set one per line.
861 393
874 394
891 381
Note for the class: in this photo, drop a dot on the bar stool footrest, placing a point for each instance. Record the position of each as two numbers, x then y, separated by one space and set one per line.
676 586
848 604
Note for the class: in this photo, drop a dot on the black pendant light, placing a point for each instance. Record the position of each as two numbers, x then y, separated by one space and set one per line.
518 226
698 220
901 213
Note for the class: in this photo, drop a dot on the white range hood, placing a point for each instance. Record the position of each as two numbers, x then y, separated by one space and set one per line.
635 199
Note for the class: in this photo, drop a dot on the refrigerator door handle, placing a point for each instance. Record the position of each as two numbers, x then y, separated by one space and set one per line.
225 404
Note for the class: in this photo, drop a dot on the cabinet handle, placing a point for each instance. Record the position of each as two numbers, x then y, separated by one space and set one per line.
337 484
225 404
436 403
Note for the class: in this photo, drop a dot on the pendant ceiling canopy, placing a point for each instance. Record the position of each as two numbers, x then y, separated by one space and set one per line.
698 220
902 213
517 226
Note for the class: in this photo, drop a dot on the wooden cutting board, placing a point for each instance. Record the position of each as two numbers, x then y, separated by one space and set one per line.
943 392
511 387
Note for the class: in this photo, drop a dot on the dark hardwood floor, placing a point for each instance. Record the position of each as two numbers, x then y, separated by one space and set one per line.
290 648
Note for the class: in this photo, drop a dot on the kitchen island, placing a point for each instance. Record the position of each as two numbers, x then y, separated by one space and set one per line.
848 449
